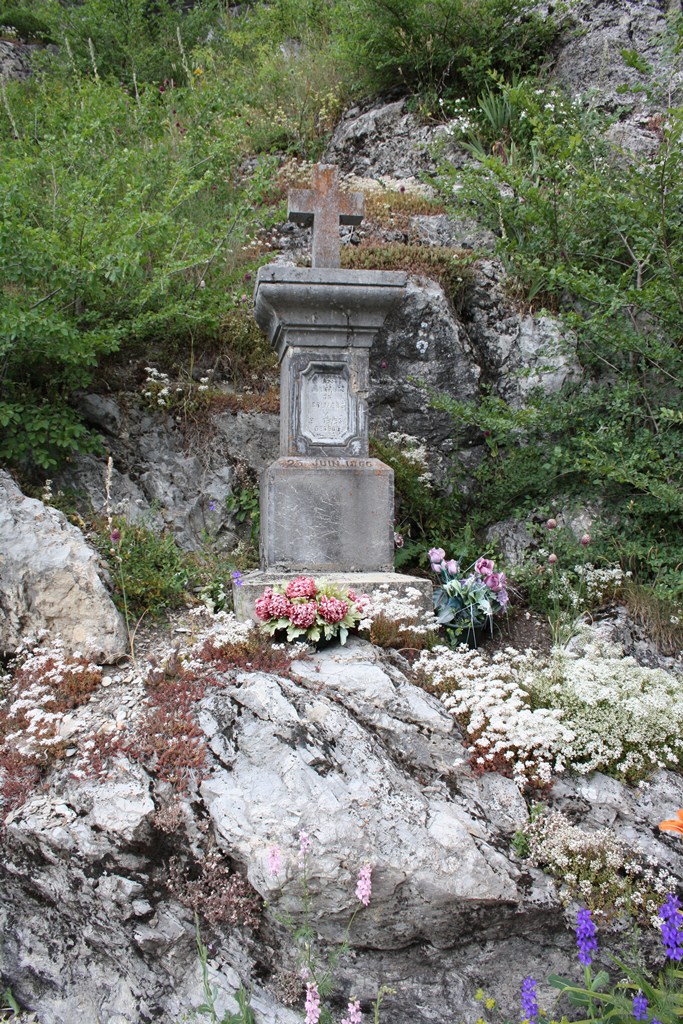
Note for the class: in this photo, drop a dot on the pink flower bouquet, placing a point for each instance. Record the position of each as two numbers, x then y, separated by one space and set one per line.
311 609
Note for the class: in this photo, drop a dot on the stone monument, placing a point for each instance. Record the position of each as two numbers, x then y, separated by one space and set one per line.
327 508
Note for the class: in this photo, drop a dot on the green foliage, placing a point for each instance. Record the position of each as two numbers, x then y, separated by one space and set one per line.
149 572
244 505
130 40
441 47
24 24
599 238
424 518
598 1000
120 224
451 269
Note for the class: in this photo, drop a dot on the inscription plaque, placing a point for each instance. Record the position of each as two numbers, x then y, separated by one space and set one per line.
327 407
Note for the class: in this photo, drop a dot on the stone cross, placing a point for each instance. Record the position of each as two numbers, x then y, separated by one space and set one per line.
325 208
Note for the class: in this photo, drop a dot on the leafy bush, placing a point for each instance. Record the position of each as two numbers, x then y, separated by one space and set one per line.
25 25
120 225
130 40
149 571
597 236
440 47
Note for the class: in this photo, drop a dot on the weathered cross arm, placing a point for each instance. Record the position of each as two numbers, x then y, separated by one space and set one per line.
324 208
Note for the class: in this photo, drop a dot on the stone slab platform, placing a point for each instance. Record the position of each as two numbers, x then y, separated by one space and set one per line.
254 583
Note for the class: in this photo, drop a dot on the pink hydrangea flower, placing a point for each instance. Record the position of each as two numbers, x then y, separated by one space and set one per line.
484 566
279 606
274 860
364 886
302 586
262 605
312 1003
353 1013
332 609
303 615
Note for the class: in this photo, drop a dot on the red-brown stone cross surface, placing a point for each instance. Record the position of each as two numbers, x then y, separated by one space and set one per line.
325 208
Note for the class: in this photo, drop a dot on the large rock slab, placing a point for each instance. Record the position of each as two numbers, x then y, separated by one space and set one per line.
51 580
346 749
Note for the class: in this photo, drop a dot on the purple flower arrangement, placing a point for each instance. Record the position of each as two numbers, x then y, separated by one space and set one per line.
467 600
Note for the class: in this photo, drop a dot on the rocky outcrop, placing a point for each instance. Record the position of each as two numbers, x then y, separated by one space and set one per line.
50 579
15 60
346 749
165 475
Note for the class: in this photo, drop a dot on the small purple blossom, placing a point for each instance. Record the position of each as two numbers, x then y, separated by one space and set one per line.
353 1014
640 1006
236 577
529 1000
585 936
312 1003
364 886
115 535
670 915
213 507
274 860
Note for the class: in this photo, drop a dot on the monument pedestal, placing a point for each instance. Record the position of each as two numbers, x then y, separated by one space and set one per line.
254 583
327 515
327 509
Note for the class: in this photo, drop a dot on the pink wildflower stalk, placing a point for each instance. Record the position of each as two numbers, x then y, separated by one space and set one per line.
312 1003
353 1014
274 860
304 844
364 886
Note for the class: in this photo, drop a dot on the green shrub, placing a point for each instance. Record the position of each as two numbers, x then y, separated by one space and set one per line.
128 40
25 25
120 227
440 47
149 572
598 237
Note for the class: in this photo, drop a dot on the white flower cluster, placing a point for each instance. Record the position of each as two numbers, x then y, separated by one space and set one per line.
158 387
38 674
595 869
490 700
160 390
626 718
413 451
404 610
586 710
586 586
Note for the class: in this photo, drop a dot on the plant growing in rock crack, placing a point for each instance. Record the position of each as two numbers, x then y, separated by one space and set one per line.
316 973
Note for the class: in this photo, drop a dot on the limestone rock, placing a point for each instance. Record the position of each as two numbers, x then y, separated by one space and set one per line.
518 351
15 60
386 140
348 750
51 579
590 50
421 344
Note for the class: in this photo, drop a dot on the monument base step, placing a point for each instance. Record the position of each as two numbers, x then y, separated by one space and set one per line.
254 583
